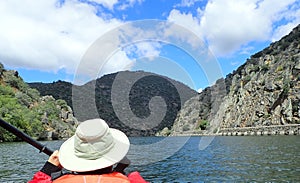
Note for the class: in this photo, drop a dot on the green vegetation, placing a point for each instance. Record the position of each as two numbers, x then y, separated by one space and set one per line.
286 87
202 124
265 67
12 79
278 78
254 68
19 115
279 68
24 108
246 79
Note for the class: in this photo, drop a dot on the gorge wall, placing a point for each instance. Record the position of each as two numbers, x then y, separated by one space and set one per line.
264 91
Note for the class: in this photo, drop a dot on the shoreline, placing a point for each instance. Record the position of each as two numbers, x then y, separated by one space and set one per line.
290 129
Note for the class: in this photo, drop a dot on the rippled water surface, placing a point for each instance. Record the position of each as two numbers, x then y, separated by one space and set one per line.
226 159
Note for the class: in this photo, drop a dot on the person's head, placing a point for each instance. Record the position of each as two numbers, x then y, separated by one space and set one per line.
94 146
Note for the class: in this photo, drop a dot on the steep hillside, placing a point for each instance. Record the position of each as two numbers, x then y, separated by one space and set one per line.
41 117
127 105
262 92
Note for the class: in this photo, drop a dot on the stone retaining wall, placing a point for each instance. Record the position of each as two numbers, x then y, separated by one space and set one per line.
293 129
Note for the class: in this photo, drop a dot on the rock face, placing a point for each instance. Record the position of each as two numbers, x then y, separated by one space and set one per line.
262 92
200 110
62 128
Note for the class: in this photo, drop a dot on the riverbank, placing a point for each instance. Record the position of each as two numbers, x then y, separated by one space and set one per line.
291 129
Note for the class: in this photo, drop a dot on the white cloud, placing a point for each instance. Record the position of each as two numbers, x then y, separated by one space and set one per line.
42 35
107 3
118 62
230 25
128 3
187 3
292 15
186 20
121 5
283 30
148 49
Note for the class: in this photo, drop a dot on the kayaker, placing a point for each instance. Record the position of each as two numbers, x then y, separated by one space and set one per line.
90 156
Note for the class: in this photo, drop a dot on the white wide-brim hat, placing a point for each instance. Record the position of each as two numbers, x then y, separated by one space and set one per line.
94 146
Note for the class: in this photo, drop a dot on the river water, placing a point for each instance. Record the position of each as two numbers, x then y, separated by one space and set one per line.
225 159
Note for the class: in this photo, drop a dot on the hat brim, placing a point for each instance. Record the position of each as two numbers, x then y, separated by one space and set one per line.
70 161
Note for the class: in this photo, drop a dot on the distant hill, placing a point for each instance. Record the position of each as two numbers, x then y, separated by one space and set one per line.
59 90
41 117
133 110
264 91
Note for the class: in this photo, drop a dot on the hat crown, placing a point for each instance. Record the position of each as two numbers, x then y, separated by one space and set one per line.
91 130
92 139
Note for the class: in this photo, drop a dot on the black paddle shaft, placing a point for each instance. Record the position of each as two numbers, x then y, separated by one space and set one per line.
25 137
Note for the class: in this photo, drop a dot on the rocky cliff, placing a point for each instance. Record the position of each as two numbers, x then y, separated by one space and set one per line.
264 91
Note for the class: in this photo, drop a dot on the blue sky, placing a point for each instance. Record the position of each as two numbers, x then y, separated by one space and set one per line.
51 40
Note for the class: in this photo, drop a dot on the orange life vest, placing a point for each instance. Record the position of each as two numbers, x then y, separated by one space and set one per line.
114 177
